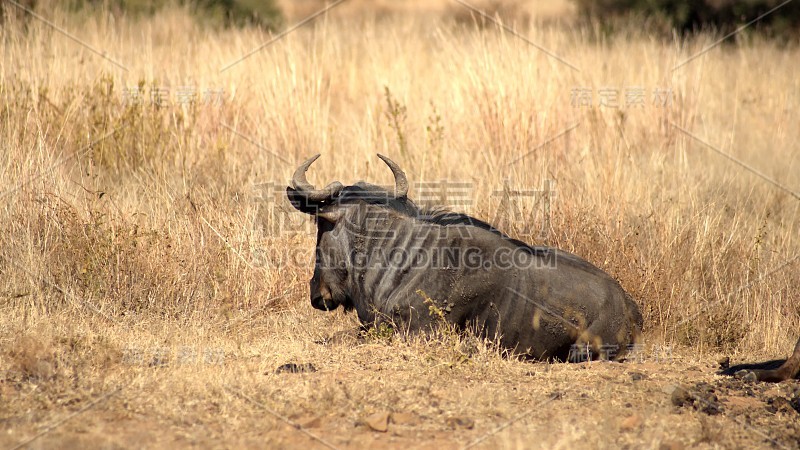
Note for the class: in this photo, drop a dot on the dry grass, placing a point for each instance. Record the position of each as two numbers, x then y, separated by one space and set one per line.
132 228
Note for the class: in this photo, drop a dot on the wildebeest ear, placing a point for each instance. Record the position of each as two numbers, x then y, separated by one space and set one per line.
301 202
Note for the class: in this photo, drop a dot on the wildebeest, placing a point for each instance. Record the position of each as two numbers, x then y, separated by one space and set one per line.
772 371
379 254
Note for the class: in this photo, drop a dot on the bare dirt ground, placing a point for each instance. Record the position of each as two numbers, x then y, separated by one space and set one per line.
305 379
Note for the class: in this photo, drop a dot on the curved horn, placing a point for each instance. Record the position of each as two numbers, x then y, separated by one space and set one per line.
306 189
400 180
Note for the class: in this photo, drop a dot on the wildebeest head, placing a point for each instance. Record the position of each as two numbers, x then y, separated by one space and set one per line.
328 206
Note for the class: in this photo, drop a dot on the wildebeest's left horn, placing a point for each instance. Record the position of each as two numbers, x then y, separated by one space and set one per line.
307 190
400 180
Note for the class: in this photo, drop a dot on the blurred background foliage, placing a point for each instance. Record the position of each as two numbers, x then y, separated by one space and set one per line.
264 13
688 16
608 16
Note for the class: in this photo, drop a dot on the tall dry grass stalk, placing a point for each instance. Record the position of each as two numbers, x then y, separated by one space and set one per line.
151 216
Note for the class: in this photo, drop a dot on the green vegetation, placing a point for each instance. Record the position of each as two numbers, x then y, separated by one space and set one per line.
690 15
265 13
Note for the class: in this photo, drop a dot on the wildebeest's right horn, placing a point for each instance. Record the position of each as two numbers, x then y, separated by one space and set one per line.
307 190
400 180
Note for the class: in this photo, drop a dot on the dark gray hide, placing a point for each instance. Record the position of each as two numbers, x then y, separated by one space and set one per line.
379 254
